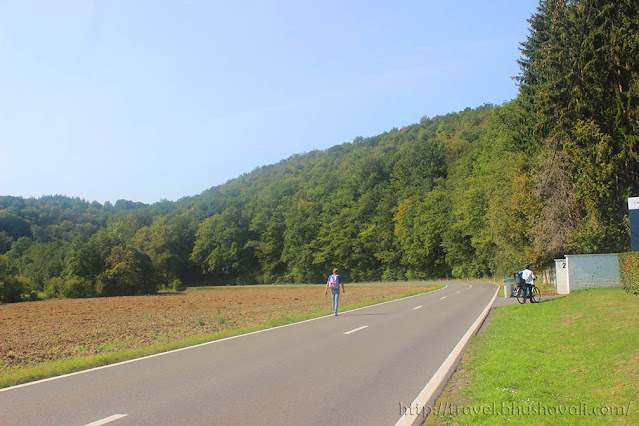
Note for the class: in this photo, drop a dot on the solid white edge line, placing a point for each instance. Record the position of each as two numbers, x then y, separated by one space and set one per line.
356 329
205 344
107 420
424 396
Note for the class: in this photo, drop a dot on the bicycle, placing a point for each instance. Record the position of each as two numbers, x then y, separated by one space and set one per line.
522 293
534 296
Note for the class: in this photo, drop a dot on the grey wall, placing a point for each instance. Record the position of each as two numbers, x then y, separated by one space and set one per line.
590 271
561 271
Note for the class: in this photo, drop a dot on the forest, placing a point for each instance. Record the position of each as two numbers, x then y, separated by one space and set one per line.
475 193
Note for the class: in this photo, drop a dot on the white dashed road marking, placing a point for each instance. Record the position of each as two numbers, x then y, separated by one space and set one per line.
356 330
107 420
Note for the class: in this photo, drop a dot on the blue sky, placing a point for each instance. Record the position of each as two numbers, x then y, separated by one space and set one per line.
151 100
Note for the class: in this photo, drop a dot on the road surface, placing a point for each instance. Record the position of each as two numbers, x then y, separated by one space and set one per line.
358 368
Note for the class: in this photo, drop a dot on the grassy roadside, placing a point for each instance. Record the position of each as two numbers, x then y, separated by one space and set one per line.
571 360
279 318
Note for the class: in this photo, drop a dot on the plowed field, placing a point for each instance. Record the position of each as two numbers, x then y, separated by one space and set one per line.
35 333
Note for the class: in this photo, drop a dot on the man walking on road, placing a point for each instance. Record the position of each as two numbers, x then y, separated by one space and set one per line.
333 283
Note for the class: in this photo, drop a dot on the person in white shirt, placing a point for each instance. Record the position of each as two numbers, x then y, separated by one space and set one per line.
529 279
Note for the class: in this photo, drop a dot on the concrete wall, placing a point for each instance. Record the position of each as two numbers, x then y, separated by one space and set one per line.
561 279
589 271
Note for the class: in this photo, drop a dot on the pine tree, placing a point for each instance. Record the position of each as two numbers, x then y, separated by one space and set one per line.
578 88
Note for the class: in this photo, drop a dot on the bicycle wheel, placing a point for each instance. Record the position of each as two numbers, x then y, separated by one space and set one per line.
536 295
521 295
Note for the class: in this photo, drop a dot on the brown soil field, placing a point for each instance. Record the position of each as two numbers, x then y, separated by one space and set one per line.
36 333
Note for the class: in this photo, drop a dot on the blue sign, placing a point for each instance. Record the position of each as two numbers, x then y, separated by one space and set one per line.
633 210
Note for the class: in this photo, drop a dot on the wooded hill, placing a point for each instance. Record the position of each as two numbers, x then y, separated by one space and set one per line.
470 194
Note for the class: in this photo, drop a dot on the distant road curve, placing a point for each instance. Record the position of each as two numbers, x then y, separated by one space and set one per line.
358 368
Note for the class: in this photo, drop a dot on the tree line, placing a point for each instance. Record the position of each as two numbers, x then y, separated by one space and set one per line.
469 194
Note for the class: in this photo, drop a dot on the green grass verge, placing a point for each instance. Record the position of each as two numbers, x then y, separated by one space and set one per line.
29 374
571 360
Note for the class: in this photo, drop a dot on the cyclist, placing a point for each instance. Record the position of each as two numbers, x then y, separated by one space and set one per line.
528 277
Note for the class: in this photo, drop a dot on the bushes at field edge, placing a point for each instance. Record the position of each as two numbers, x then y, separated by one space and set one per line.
629 272
178 285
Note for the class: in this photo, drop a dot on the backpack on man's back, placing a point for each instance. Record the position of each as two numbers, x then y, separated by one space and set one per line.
333 281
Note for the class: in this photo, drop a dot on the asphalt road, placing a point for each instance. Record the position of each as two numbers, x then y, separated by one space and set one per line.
358 368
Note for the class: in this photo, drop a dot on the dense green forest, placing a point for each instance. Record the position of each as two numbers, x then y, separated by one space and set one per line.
469 194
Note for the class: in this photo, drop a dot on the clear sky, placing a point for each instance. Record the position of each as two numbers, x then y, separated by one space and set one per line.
150 100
